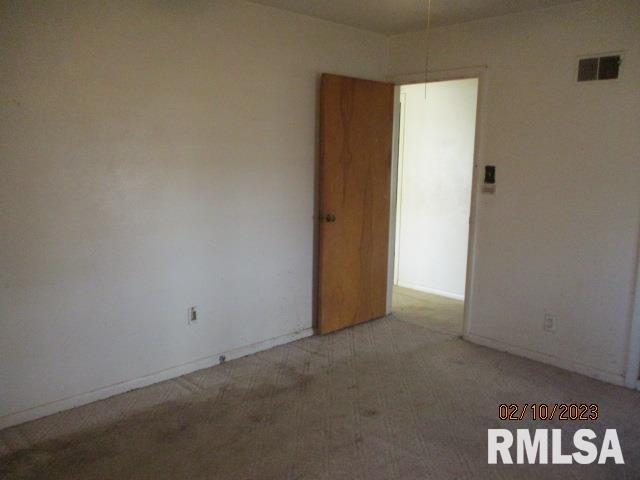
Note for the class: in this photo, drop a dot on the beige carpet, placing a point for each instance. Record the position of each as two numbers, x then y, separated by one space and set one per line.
389 399
428 310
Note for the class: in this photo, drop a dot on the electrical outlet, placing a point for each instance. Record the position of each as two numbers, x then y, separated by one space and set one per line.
550 322
192 317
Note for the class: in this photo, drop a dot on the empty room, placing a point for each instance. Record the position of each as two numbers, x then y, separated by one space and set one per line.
311 239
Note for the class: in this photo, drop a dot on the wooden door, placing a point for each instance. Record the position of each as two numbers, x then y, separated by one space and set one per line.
356 130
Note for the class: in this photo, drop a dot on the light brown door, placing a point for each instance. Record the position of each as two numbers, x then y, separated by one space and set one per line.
356 130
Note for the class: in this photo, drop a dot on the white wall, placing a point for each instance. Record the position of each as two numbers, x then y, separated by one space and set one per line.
154 155
435 168
561 232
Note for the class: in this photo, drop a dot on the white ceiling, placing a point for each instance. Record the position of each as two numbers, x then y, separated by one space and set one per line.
398 16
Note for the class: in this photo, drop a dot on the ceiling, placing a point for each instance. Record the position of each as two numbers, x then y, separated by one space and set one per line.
398 16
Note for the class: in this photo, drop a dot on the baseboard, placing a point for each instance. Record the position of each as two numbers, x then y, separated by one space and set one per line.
433 291
122 387
616 379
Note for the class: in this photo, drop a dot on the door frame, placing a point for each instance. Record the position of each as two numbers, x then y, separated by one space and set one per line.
480 72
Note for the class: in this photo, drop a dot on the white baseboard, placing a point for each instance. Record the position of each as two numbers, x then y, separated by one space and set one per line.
616 379
433 291
122 387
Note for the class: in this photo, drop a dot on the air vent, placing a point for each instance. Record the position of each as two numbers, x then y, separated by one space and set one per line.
599 68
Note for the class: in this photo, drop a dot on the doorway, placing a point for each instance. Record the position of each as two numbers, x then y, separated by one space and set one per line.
357 202
435 151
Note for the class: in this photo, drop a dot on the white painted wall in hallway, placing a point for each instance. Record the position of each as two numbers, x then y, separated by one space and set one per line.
436 166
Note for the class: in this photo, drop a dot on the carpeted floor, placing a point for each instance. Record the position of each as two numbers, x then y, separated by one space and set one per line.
389 399
428 310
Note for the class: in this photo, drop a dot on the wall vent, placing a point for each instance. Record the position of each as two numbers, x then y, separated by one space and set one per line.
606 67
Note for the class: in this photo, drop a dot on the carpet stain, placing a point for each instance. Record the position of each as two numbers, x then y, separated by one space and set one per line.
388 399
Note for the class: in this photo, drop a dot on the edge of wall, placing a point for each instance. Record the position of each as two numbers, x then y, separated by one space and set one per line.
616 379
44 410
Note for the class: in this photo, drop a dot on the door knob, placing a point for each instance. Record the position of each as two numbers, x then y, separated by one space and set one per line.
330 217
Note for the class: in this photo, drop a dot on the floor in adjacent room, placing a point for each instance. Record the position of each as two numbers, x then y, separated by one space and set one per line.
432 311
394 398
